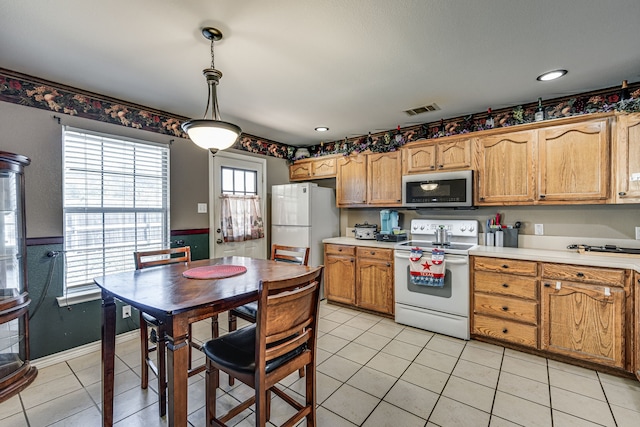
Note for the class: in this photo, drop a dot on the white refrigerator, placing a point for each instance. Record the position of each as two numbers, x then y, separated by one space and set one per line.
303 215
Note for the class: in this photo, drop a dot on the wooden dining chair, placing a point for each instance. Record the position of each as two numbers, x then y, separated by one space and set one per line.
146 259
280 253
282 341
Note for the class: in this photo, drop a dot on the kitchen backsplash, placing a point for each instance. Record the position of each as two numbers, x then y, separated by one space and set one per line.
603 223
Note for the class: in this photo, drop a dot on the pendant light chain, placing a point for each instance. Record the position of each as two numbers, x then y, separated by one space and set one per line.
212 54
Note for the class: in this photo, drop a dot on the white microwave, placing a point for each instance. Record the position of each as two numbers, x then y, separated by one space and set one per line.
438 190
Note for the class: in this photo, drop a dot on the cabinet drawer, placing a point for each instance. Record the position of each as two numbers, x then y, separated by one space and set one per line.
377 253
583 274
505 307
511 266
506 330
331 248
506 284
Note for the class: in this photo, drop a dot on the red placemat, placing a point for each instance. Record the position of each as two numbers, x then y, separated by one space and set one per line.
214 271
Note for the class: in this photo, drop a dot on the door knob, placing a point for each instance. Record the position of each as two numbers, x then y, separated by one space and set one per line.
218 230
218 241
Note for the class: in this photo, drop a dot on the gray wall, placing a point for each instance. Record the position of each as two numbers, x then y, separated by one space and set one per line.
37 135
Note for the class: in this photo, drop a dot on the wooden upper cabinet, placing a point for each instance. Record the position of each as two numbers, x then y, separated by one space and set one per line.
506 168
323 167
300 171
574 162
318 168
430 156
384 179
351 181
636 326
626 154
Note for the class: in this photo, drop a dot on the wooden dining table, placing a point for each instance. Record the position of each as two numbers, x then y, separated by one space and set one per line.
166 294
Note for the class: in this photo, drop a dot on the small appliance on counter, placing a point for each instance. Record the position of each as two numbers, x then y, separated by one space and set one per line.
389 229
606 249
365 231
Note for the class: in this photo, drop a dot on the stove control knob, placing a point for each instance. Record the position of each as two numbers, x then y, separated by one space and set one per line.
471 227
463 228
422 227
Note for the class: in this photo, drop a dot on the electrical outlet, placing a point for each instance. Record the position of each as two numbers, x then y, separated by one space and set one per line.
637 233
539 229
126 311
202 208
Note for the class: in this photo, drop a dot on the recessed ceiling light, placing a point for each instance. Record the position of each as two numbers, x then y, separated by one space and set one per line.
551 75
322 129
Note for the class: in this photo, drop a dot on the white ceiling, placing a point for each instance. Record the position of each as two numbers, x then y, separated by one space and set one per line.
352 65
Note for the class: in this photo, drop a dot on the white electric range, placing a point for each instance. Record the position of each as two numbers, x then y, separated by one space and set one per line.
442 309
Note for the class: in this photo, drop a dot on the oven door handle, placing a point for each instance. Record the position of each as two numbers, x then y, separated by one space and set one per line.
449 260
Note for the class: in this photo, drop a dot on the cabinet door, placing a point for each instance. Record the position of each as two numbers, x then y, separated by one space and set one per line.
351 181
454 154
419 158
300 171
627 152
323 168
506 168
582 321
340 278
375 285
636 325
384 179
574 162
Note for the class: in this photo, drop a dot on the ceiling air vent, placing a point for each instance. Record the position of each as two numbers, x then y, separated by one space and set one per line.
420 110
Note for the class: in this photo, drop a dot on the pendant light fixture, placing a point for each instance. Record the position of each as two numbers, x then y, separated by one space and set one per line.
212 133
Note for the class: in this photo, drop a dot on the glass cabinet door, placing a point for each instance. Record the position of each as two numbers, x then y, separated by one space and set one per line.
16 373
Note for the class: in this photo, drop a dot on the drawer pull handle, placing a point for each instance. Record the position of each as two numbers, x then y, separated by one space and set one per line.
340 250
373 253
505 308
388 264
622 193
579 274
504 285
505 266
505 330
547 285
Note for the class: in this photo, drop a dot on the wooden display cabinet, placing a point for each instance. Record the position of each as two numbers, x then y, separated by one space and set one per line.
16 373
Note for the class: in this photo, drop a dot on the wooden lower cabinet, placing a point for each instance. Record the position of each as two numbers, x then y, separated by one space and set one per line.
374 279
360 276
582 321
505 300
340 273
576 311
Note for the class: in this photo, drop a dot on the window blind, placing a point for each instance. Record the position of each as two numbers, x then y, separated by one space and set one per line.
116 202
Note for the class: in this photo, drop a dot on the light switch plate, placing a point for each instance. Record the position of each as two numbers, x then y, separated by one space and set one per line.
538 229
202 208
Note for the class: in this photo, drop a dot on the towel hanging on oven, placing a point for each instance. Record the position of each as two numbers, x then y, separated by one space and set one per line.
427 270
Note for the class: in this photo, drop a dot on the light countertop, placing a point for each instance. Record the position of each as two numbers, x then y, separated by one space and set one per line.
631 262
566 256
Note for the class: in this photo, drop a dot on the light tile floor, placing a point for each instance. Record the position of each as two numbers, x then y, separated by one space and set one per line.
371 372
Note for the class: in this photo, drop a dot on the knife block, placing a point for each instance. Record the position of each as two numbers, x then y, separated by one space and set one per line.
510 237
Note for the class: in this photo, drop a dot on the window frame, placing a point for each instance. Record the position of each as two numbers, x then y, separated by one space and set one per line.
125 204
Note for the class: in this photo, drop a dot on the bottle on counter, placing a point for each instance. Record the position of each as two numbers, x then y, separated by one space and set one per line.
499 240
539 115
624 91
488 123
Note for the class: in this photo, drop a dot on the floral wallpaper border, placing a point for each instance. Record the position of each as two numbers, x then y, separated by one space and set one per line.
33 92
603 100
30 91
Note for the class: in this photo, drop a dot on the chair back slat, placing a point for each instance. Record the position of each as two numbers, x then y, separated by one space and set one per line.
292 254
287 311
145 259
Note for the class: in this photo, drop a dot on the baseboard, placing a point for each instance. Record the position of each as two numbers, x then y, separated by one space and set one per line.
82 350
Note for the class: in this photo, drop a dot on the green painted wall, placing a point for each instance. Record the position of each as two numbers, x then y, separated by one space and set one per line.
53 329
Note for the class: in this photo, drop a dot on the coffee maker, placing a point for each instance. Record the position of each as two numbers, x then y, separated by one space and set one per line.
389 229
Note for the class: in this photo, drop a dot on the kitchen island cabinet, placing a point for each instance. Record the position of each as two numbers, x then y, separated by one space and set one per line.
360 277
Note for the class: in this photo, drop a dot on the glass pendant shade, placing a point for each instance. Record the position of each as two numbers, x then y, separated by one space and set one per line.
211 134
